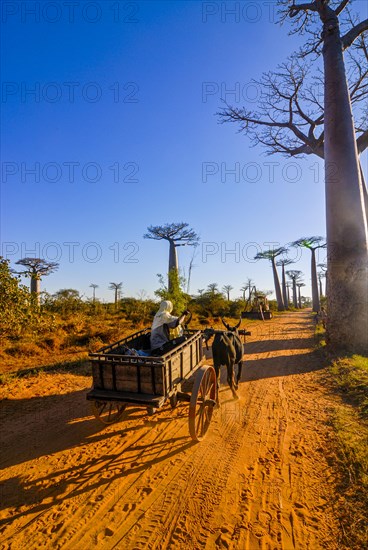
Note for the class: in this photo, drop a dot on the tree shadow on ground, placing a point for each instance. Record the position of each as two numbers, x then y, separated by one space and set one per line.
80 366
264 346
283 365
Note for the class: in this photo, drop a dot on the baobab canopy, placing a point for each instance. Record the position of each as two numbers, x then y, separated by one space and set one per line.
180 233
177 234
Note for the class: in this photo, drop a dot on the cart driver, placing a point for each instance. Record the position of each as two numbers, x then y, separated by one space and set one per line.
166 328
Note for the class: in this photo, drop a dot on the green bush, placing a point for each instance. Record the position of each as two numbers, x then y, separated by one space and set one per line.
176 295
64 302
139 312
16 303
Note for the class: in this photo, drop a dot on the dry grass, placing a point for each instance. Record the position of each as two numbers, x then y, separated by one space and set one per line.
350 422
71 339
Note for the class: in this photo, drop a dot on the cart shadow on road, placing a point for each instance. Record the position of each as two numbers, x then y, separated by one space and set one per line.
96 473
29 430
94 465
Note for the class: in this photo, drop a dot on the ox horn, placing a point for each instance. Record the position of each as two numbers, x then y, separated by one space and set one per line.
225 324
238 325
190 318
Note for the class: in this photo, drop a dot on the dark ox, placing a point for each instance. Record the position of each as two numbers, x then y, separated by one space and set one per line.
227 351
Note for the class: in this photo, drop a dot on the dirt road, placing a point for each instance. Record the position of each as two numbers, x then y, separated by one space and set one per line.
262 478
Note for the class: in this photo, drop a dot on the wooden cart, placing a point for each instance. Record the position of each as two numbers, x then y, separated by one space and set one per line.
120 380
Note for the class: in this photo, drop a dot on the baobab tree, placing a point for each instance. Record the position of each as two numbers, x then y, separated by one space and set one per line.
323 267
227 289
116 287
294 121
94 286
299 285
283 262
320 276
177 234
36 268
271 255
212 288
295 276
247 287
243 291
288 292
313 244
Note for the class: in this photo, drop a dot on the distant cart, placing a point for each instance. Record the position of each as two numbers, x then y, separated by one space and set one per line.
120 380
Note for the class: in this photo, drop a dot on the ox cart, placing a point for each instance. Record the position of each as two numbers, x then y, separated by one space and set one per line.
121 379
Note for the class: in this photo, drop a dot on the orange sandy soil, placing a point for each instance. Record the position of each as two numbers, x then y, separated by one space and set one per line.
263 478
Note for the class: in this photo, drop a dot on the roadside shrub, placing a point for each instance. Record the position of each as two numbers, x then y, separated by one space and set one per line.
176 295
95 344
23 349
272 304
64 301
139 312
16 304
236 308
49 343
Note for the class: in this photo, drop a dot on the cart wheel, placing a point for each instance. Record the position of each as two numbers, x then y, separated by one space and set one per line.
108 412
202 402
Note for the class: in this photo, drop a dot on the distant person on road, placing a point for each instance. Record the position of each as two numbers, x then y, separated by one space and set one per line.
166 330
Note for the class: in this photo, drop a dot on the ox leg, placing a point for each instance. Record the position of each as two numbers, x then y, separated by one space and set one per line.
217 371
240 368
231 380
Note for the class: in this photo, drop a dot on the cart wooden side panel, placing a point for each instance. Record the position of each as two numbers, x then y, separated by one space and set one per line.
145 375
137 378
180 365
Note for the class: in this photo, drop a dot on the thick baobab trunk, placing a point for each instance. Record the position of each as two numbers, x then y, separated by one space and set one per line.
173 262
320 287
280 302
326 284
295 298
299 298
36 288
284 289
347 247
315 297
365 191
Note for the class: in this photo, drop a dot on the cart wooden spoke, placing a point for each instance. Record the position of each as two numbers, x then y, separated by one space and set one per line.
202 402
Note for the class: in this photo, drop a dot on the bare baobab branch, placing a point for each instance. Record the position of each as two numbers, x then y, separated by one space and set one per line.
362 142
354 33
341 7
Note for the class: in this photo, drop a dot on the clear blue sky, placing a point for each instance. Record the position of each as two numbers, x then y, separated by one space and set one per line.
108 126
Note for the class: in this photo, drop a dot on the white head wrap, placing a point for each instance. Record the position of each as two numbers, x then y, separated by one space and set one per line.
163 315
